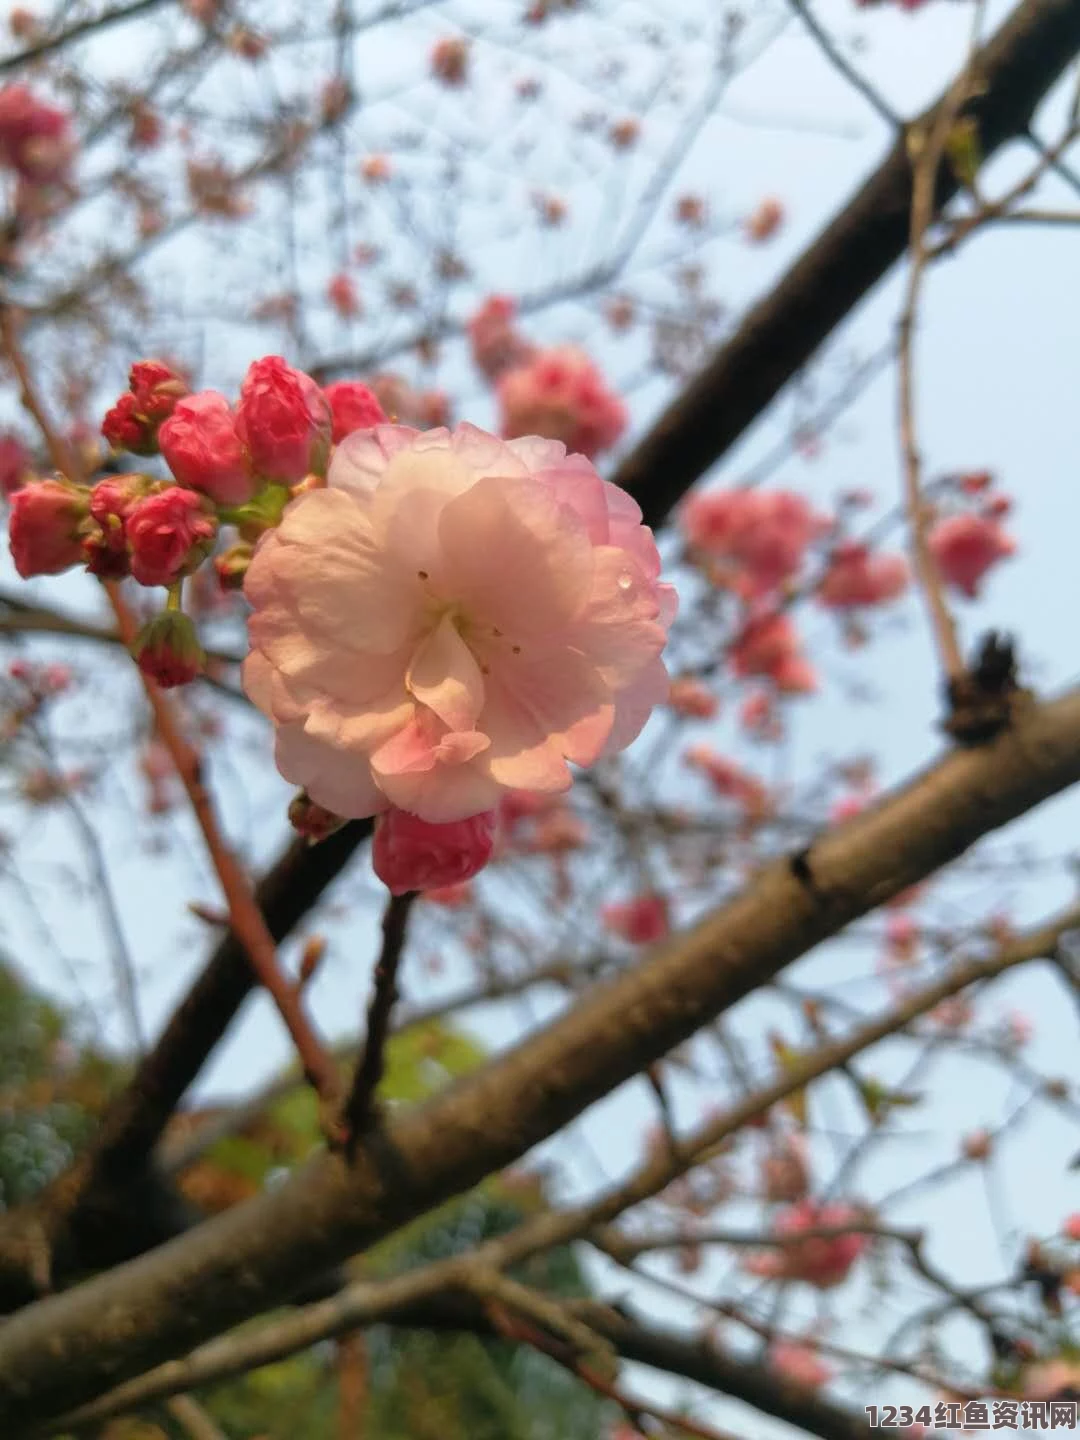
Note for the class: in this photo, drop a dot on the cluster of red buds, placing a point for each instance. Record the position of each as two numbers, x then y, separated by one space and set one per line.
231 467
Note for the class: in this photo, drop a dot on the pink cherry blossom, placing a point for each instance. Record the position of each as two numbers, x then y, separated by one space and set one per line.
759 537
799 1363
35 138
642 921
857 576
343 296
690 698
820 1260
966 547
560 394
453 617
1071 1228
768 645
412 854
497 344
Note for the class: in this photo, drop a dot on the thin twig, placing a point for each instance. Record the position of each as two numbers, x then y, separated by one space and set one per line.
832 53
193 1419
924 164
360 1110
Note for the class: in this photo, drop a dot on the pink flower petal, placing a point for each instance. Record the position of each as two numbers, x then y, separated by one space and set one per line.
445 677
516 559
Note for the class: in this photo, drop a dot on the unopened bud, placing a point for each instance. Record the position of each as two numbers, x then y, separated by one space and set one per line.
167 649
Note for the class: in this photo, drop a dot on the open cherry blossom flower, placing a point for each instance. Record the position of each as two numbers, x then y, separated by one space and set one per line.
452 617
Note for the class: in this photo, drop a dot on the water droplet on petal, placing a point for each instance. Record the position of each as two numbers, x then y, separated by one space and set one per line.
625 580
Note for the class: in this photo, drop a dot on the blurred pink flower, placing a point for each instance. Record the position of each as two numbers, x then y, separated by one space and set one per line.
642 920
823 1261
965 547
800 1363
560 394
857 576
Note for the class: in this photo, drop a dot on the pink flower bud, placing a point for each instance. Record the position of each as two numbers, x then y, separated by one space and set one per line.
965 547
284 420
342 294
203 450
410 854
44 528
977 1146
167 649
800 1364
105 544
352 407
690 698
449 60
642 921
857 576
765 221
35 139
170 534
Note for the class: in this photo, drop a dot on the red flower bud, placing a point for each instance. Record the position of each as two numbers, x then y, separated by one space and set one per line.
44 527
170 534
202 448
105 546
284 420
410 854
167 649
353 407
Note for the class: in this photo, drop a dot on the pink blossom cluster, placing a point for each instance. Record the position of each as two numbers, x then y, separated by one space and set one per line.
753 541
497 344
970 540
859 577
768 646
642 920
560 394
820 1260
35 138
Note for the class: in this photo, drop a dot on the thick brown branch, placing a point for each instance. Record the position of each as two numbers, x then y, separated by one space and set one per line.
61 1351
